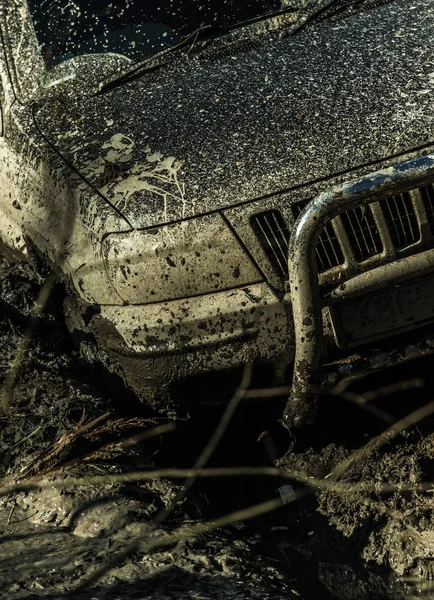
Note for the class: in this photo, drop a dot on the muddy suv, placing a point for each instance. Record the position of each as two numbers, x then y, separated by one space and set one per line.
249 180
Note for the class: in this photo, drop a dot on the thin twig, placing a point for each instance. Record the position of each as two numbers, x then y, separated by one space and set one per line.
148 434
24 439
360 401
70 482
268 392
364 400
23 345
385 437
339 388
211 445
323 484
10 514
393 388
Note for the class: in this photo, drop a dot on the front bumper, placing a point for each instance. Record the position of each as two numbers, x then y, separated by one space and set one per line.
152 345
155 344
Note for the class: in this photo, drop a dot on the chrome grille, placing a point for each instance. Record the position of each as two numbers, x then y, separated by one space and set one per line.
374 234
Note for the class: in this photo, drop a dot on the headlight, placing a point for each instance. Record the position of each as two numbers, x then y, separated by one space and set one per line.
190 258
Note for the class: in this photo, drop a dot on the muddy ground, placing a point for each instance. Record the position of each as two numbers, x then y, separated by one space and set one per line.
67 418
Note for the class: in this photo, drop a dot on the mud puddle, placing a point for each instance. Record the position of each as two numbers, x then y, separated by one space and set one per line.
66 421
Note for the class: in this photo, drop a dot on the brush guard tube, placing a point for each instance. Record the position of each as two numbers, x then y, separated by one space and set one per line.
307 304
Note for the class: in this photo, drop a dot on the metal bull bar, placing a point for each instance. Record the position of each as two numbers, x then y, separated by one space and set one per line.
307 304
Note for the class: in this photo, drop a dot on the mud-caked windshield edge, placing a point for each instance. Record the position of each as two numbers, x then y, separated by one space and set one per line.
133 28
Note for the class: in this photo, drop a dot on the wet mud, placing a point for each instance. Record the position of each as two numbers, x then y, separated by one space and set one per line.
67 419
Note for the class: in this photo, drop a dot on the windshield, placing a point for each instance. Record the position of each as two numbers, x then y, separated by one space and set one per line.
133 28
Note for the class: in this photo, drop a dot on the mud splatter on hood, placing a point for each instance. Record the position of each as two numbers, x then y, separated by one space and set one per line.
211 131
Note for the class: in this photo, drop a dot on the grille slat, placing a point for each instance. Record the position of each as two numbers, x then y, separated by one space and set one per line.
352 234
362 231
427 193
415 236
401 220
276 244
374 234
282 243
360 221
402 228
390 223
320 253
335 258
328 242
273 235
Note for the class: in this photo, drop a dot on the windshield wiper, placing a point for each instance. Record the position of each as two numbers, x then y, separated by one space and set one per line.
148 64
153 61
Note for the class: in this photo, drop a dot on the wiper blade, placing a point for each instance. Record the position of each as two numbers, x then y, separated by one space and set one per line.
148 63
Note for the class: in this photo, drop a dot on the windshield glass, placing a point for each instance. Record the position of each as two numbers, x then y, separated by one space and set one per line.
133 28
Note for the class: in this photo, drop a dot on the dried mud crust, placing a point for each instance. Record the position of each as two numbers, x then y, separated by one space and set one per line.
40 562
56 538
371 544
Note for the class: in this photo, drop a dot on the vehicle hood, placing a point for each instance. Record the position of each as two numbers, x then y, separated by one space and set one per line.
211 131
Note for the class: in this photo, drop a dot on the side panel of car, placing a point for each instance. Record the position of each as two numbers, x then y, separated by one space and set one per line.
25 65
26 180
10 197
62 218
43 202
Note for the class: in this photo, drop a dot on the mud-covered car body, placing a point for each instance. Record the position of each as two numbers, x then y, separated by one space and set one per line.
189 209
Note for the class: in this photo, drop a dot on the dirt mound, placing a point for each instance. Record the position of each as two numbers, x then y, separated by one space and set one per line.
374 536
